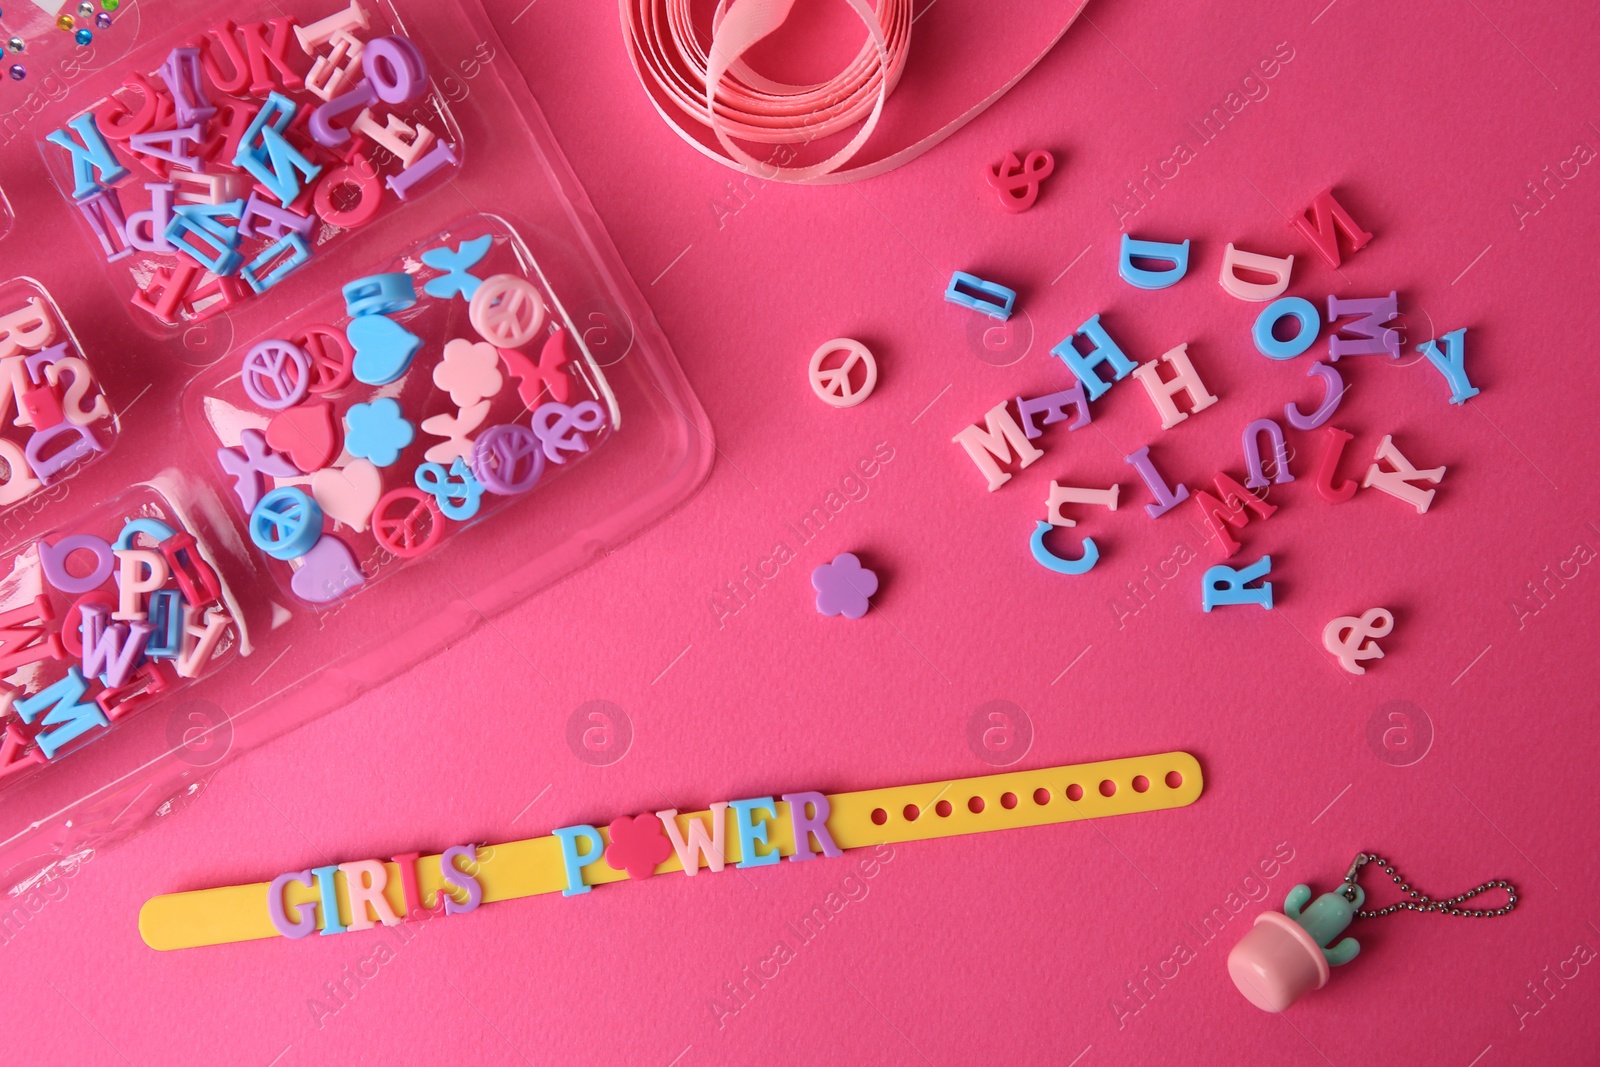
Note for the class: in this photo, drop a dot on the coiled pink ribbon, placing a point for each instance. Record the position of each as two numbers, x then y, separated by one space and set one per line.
710 85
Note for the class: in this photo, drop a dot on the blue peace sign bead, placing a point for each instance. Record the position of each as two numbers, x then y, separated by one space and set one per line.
286 523
457 493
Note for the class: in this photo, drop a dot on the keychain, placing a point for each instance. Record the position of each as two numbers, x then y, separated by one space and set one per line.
1285 956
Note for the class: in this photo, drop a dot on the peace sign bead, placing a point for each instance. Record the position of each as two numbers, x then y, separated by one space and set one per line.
276 374
285 523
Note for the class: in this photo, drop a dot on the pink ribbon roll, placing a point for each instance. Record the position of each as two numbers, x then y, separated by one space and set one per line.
710 85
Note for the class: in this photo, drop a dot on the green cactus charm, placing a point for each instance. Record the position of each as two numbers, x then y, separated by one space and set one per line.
1326 919
1286 956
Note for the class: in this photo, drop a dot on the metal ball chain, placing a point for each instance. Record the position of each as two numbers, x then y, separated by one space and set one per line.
1420 901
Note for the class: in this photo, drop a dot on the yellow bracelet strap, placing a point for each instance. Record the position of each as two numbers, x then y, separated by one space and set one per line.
856 820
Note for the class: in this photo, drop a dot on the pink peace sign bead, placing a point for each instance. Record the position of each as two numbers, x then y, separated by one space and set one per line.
276 374
507 311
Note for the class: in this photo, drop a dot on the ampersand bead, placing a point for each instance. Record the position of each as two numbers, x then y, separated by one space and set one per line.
560 428
457 492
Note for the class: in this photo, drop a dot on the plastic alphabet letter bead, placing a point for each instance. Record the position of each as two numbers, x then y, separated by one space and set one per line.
249 463
1050 561
561 428
1452 364
130 562
1219 514
152 528
330 900
276 374
90 155
443 155
507 459
146 230
379 294
989 298
321 126
1185 379
110 649
196 579
832 384
166 619
507 311
455 264
1328 467
1054 406
1332 393
1070 494
1372 338
753 831
278 910
457 492
1321 224
699 844
71 718
843 586
572 860
395 69
295 252
286 523
459 879
1105 350
1017 181
1277 269
46 467
1303 311
1397 482
1224 585
1161 251
1166 498
1000 434
364 881
1352 640
805 826
377 431
53 561
1252 454
383 348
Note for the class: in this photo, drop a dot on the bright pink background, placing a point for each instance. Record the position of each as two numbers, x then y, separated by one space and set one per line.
1012 948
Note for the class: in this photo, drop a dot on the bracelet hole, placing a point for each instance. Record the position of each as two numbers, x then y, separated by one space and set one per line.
1108 788
1041 796
1074 792
942 809
880 816
1008 800
975 805
1140 783
1174 779
911 812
